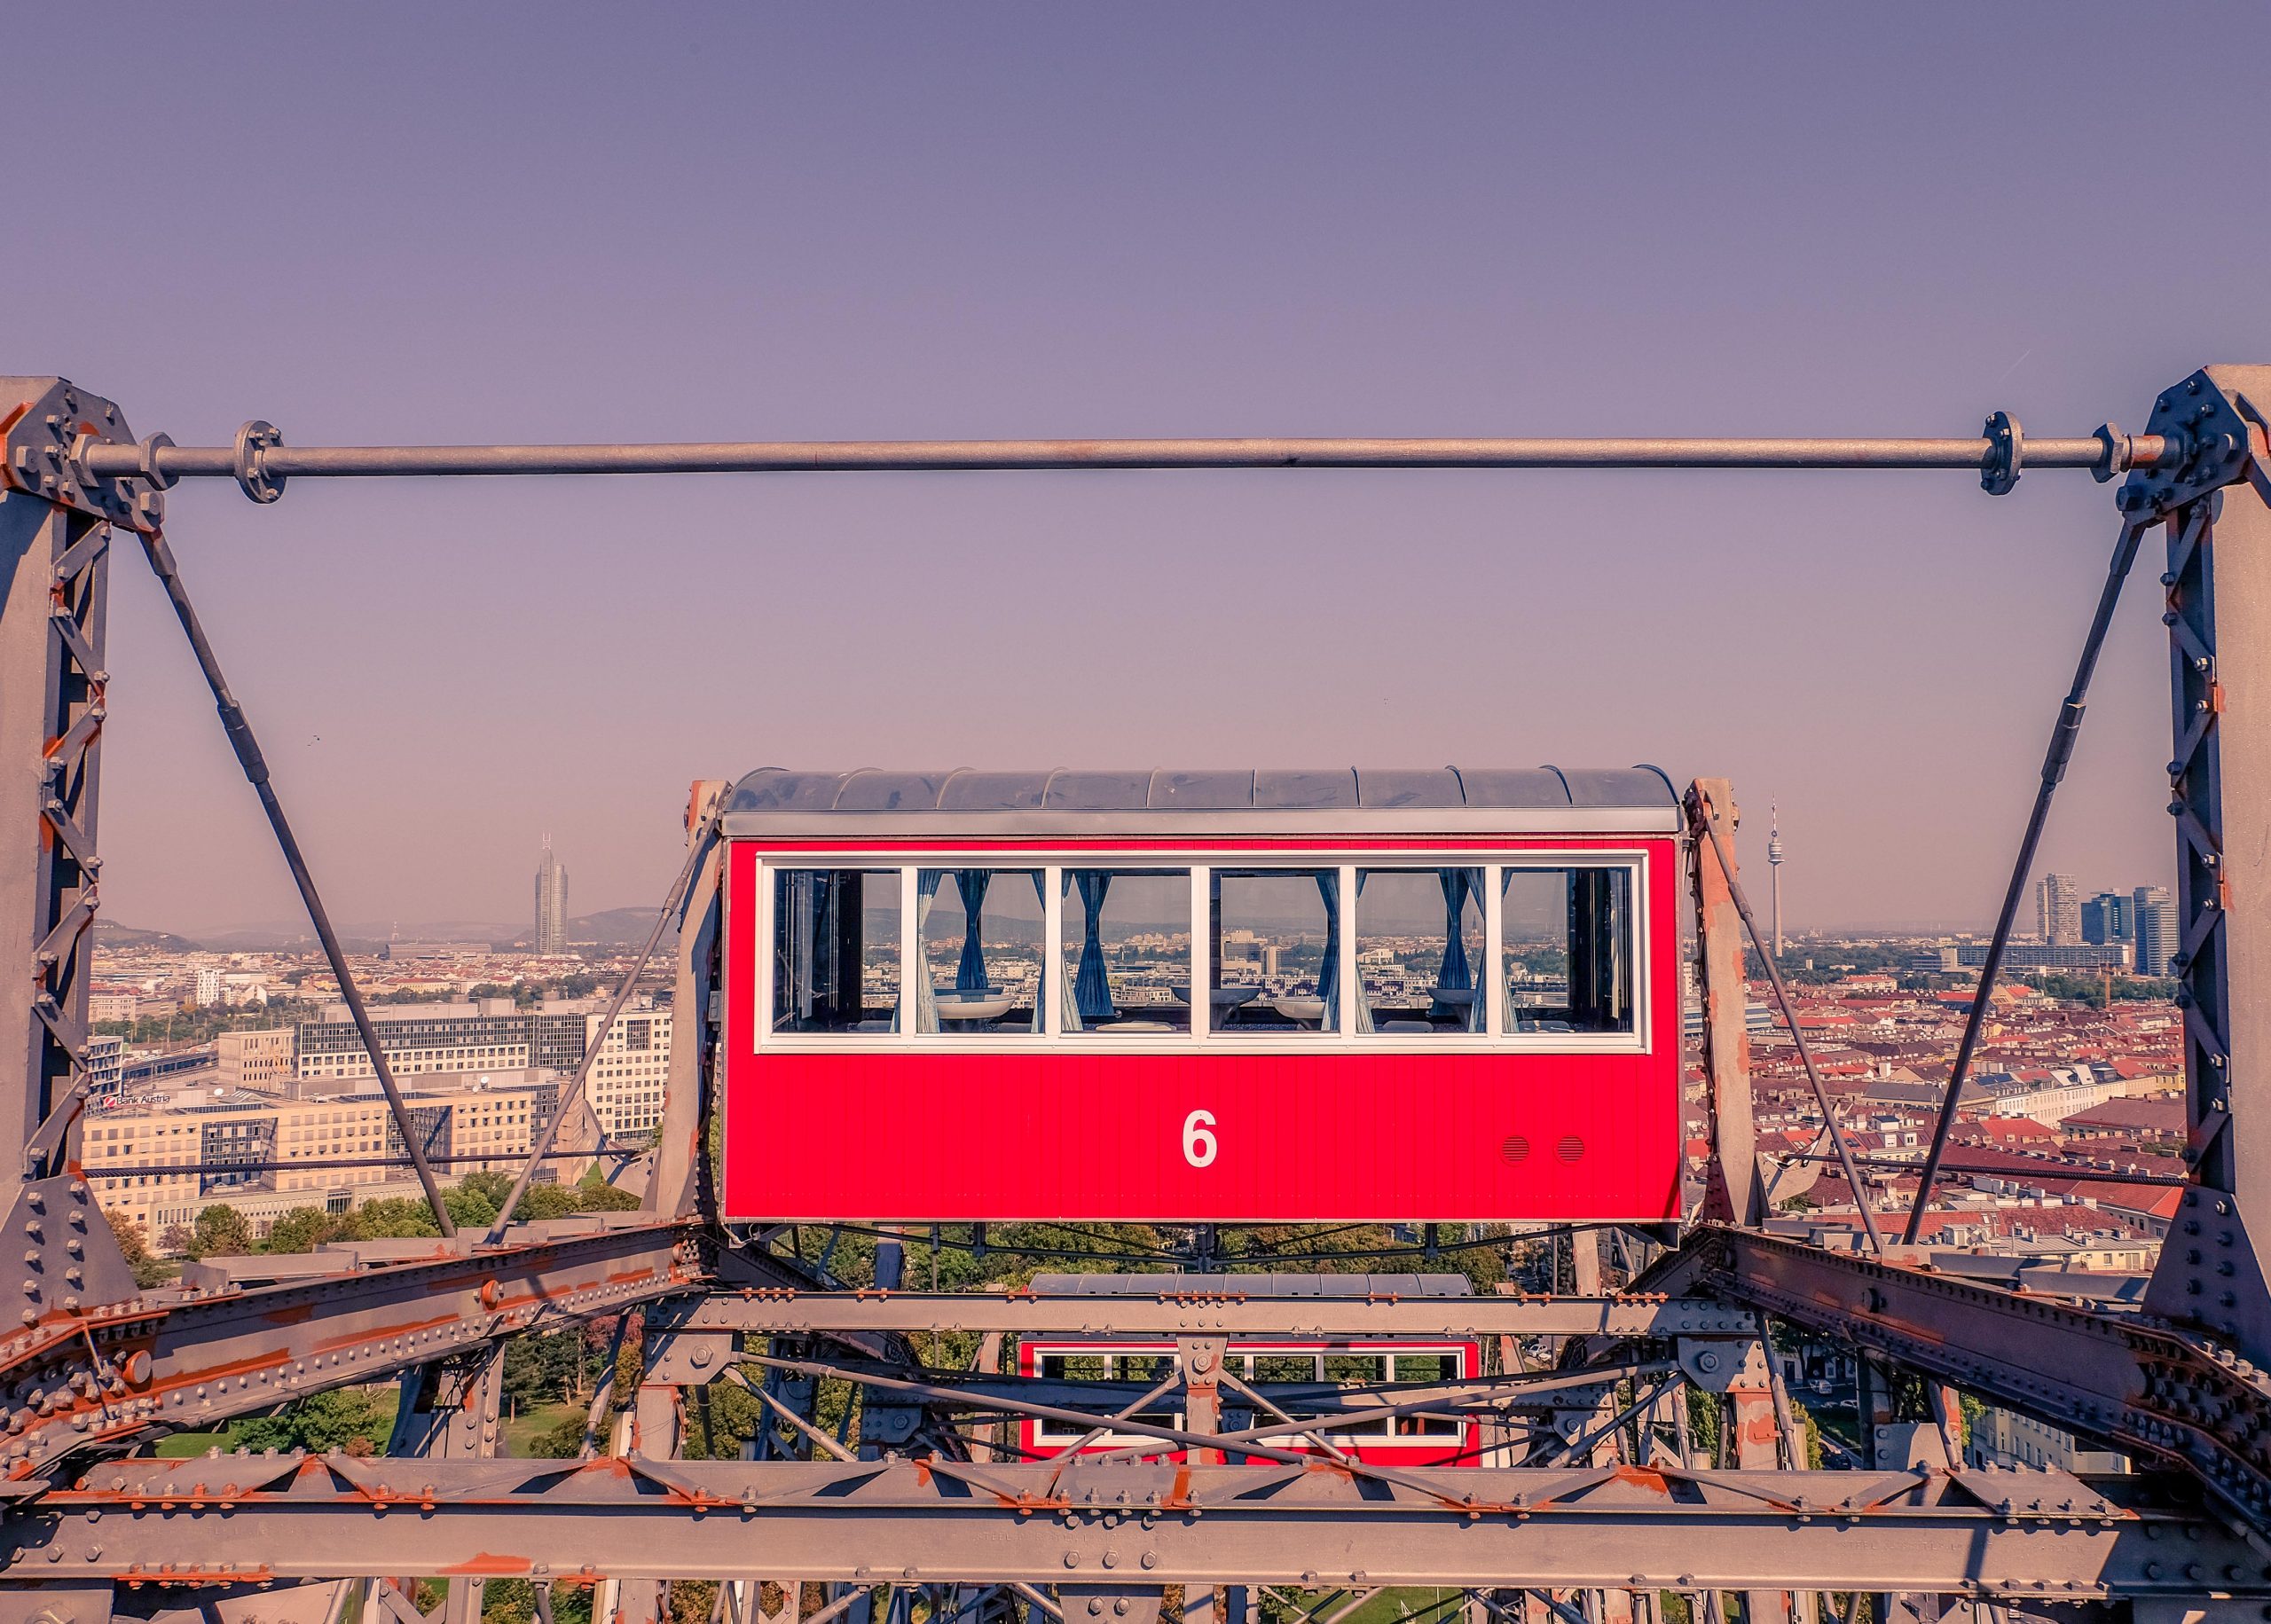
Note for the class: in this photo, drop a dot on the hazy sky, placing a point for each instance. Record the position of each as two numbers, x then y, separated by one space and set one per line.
390 223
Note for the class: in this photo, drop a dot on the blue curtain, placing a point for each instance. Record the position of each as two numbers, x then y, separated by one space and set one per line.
1454 973
970 974
1328 973
1091 987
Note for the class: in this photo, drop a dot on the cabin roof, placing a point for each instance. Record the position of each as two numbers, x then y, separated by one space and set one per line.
1583 800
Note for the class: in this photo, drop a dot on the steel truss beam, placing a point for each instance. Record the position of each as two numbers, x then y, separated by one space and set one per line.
54 566
99 1370
1995 1535
104 1379
2134 1383
1230 1313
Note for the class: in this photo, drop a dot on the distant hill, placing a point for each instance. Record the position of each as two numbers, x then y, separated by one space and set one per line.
110 933
612 927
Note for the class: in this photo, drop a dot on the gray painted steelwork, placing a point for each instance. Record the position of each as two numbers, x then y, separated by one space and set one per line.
779 803
54 588
1269 1284
2181 1386
2001 1535
1228 1309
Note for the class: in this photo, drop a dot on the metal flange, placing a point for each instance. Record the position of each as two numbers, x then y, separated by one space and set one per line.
47 427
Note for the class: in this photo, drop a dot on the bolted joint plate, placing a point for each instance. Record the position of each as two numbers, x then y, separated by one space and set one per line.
45 424
2208 1278
689 1358
70 1601
1099 1604
2206 420
1719 1364
888 1425
66 1257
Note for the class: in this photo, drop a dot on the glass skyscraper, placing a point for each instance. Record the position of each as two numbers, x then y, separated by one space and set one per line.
551 903
2155 927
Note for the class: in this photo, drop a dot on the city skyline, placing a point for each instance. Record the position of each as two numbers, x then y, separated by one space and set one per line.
897 222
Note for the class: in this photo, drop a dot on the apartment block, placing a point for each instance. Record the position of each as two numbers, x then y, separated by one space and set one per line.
264 1061
161 1165
633 1066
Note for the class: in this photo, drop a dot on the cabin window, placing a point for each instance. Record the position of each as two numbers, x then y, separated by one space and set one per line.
1419 958
1127 952
1568 935
1286 1367
1426 1368
835 952
978 935
1277 958
1534 952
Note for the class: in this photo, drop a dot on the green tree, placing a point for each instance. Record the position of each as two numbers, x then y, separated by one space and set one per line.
546 1201
604 1198
356 1420
220 1232
134 1245
542 1369
491 1188
691 1600
133 1240
302 1229
396 1217
562 1440
469 1209
513 1601
1703 1425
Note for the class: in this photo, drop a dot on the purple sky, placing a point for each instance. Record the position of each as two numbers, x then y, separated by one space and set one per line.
585 223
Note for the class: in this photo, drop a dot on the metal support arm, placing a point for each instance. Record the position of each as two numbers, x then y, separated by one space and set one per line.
2003 1536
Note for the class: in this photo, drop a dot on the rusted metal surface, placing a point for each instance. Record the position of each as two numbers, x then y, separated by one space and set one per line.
109 1376
2217 611
689 1090
1731 1184
54 579
2138 1385
1231 1312
85 1380
2002 1535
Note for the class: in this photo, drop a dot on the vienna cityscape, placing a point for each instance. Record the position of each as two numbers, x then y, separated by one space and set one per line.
1137 814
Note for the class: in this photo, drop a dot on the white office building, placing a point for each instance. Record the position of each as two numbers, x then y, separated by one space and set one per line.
634 1064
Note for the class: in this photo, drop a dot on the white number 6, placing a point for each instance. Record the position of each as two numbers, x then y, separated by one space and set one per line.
1198 1145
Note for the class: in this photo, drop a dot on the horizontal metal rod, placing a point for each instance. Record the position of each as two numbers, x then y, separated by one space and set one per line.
2078 1170
282 462
324 1164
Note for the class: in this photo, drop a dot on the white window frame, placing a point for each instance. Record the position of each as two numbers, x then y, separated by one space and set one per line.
1637 1040
1090 1040
1276 1042
1496 864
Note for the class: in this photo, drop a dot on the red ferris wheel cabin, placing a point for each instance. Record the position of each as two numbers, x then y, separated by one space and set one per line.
1344 995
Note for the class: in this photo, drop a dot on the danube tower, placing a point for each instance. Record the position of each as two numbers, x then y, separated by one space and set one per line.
1774 870
551 903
